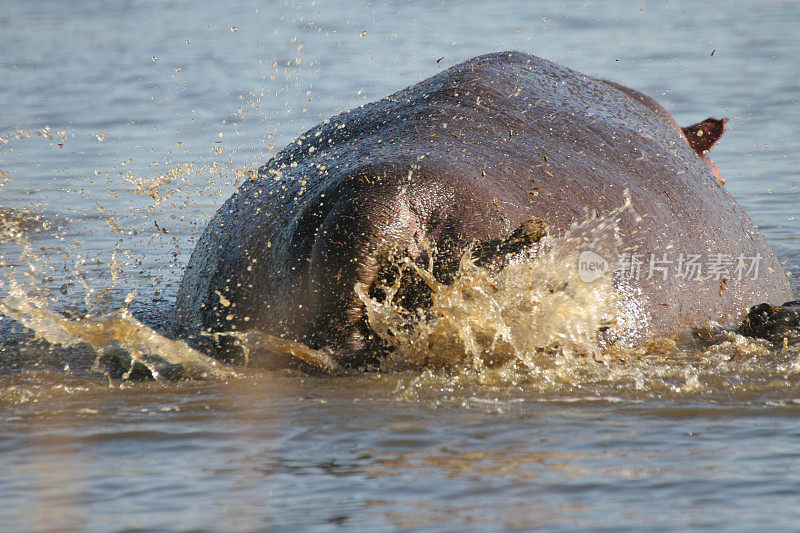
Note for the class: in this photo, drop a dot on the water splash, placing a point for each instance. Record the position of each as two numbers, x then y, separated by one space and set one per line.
528 322
46 132
536 324
120 340
535 307
125 347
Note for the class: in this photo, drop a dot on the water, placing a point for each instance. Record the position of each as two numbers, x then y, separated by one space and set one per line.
125 126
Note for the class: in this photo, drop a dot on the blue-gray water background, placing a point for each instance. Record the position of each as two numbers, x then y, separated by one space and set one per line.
203 89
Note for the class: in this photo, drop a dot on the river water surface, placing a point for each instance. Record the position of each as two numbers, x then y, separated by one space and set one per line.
124 125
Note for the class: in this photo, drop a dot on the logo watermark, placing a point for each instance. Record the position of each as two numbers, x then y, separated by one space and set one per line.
591 266
688 267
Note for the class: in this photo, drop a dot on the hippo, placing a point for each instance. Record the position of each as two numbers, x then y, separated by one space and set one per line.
473 154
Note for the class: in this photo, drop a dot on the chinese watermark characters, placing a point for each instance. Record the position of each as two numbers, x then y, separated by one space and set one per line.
661 266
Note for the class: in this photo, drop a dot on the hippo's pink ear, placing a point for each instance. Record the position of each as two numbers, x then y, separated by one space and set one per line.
703 135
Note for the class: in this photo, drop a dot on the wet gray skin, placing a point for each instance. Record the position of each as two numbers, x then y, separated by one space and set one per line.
467 155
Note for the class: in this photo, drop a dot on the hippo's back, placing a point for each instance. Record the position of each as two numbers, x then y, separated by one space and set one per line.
470 154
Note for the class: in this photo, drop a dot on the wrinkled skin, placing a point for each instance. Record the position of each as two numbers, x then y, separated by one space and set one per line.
469 154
